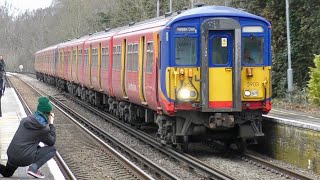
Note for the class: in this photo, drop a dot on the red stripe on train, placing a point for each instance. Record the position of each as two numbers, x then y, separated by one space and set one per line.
220 104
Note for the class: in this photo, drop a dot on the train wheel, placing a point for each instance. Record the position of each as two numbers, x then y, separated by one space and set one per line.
184 146
241 145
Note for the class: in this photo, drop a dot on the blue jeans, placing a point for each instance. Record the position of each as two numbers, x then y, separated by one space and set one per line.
44 154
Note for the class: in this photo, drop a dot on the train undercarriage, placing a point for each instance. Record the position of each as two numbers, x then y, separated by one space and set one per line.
185 127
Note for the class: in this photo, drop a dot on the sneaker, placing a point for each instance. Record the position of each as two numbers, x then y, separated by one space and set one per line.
36 174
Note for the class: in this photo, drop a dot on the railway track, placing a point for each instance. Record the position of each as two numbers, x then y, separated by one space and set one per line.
283 172
212 173
88 144
193 162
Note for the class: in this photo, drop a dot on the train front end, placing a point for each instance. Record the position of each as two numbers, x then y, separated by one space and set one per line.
215 75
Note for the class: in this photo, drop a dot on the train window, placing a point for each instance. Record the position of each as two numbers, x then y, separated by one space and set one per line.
79 58
86 57
129 58
149 57
105 58
69 57
119 57
74 58
135 59
116 57
186 51
65 55
219 52
94 58
252 50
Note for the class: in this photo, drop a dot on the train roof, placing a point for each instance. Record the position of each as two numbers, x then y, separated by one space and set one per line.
219 11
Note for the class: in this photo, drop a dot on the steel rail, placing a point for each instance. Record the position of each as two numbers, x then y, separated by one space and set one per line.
191 161
162 172
283 171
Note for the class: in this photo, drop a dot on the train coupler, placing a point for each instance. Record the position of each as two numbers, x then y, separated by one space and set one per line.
221 120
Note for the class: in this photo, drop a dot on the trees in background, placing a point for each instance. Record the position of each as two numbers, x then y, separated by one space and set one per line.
25 34
305 38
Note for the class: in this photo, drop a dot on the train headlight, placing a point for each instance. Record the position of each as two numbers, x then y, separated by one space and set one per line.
247 93
184 94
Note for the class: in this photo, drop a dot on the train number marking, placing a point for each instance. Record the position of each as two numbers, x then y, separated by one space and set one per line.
253 84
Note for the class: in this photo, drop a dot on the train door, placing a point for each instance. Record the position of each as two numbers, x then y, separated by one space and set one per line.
123 68
142 70
220 61
220 66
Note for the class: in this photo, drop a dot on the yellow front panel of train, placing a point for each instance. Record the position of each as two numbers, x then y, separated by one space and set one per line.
256 83
183 84
220 87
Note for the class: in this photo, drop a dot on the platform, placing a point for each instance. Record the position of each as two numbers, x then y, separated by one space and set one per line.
294 118
12 113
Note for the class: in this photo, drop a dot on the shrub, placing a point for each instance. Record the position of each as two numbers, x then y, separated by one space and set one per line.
314 82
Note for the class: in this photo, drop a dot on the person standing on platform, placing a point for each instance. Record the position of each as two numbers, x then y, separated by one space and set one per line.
2 64
24 149
2 75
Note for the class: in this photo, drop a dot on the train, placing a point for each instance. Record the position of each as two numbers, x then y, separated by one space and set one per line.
203 73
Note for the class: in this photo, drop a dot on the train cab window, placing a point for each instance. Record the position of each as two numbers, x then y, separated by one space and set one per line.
252 50
186 51
79 58
149 57
219 52
105 58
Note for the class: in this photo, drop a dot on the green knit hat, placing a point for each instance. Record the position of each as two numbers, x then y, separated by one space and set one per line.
44 104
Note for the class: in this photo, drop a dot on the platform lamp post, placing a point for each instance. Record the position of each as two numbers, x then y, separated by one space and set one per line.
289 71
158 8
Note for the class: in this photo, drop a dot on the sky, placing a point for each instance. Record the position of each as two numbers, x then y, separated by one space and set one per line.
23 5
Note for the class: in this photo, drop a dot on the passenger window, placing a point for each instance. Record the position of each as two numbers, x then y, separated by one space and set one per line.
105 58
79 58
149 57
94 58
186 51
129 58
70 57
86 57
219 51
135 55
252 51
74 58
116 57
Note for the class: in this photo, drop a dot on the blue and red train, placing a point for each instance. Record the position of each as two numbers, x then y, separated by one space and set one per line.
205 72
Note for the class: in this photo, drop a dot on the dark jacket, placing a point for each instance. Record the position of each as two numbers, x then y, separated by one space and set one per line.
2 65
31 131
